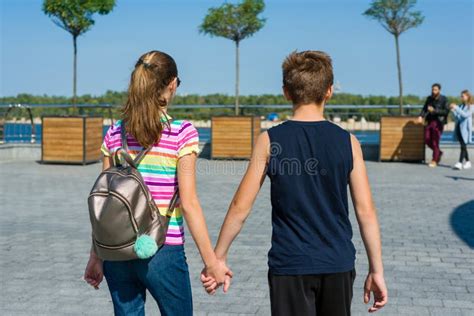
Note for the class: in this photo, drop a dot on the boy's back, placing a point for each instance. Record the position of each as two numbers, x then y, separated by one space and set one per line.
309 168
310 162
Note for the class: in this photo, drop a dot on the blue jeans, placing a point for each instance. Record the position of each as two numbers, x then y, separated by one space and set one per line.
165 276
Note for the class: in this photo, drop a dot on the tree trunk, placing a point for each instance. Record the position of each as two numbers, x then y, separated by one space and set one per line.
400 84
74 73
237 77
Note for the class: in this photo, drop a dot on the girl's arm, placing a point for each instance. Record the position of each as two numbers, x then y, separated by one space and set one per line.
369 228
194 216
244 198
94 272
460 113
107 162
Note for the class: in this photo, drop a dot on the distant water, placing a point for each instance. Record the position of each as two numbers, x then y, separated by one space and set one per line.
21 133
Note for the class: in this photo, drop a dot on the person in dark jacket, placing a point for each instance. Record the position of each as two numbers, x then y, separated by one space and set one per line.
435 113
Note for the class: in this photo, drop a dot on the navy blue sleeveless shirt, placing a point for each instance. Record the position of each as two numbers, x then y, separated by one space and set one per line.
309 168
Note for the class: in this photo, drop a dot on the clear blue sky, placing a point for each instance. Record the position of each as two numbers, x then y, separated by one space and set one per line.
36 55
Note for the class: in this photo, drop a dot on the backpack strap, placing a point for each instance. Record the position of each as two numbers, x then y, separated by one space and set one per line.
173 201
124 149
135 162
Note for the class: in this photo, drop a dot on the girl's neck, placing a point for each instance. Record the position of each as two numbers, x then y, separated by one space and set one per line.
308 112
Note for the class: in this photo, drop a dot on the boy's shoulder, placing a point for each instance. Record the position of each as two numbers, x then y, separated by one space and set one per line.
278 126
337 128
287 126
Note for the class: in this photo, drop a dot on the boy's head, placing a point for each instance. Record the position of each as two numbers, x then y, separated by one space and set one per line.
308 77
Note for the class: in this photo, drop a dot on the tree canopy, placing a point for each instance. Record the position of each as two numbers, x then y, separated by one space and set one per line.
76 16
234 21
396 16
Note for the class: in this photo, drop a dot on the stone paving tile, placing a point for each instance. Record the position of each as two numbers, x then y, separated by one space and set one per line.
44 241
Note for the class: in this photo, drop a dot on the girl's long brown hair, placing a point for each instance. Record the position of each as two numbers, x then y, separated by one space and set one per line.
469 97
145 103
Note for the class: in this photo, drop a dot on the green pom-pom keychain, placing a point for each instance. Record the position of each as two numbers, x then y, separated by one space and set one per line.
145 247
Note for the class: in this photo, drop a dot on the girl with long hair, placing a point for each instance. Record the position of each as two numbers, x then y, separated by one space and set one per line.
169 165
463 128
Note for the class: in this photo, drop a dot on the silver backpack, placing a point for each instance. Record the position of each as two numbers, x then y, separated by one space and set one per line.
126 223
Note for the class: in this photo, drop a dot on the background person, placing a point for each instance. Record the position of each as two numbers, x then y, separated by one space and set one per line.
170 164
435 112
463 128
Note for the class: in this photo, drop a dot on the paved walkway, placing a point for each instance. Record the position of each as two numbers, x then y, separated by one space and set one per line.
427 219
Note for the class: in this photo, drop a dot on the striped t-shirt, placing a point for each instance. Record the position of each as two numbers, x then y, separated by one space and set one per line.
159 166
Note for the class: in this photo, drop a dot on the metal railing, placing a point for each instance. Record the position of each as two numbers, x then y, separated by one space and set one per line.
19 133
373 112
5 110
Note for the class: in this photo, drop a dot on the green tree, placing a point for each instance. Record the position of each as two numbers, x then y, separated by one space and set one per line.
396 16
235 22
76 17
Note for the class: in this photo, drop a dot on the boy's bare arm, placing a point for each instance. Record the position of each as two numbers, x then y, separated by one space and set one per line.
369 228
244 198
365 210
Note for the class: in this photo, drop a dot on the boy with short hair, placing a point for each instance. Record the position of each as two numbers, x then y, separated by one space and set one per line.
310 161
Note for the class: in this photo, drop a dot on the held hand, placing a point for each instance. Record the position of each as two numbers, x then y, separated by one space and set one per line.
210 285
212 277
218 270
452 106
375 283
94 272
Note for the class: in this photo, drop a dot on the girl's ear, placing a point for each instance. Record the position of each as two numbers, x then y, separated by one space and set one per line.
173 85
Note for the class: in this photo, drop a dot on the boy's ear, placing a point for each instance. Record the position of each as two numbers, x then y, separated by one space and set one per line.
286 94
330 92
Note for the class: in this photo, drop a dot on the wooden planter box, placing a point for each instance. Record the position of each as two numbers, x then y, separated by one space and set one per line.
71 139
233 136
401 139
